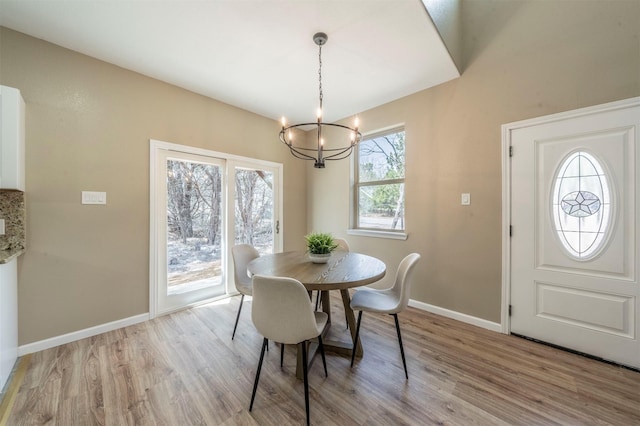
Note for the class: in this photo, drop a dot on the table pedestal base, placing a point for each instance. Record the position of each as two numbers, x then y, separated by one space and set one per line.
332 345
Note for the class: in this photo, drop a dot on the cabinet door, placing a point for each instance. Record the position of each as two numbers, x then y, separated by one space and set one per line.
11 139
8 319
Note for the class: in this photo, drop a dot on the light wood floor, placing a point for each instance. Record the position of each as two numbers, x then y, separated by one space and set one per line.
184 369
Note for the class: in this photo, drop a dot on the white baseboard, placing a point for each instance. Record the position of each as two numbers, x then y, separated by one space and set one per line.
114 325
80 334
479 322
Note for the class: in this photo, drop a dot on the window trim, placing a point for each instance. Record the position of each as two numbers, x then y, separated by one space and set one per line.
354 186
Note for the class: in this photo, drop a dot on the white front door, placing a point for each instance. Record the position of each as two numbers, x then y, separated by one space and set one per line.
575 186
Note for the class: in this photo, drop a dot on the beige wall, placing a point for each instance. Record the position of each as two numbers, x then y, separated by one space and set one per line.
522 60
88 128
89 125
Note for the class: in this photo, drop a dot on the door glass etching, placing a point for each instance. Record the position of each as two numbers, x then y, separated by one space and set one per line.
581 205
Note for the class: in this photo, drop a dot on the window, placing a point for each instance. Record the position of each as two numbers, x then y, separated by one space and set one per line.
378 190
581 205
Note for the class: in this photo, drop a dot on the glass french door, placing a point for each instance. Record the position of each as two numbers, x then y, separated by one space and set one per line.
201 205
255 221
191 236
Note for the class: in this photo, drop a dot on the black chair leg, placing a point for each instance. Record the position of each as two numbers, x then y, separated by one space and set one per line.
324 361
404 361
265 342
355 341
237 317
303 348
281 354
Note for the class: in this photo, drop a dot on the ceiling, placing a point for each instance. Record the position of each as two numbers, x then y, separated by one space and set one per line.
255 54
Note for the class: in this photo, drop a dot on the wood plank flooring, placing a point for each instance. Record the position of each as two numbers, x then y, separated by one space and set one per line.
184 369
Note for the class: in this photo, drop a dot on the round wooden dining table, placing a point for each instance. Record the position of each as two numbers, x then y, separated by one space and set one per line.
344 270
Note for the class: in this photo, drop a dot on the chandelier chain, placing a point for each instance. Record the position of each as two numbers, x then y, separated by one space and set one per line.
320 73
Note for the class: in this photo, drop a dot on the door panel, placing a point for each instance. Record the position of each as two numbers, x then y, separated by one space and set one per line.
574 260
614 148
189 229
607 313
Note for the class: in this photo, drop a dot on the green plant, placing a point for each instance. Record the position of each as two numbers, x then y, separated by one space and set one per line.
320 243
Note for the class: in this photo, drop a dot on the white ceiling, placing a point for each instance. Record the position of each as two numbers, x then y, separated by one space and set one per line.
255 54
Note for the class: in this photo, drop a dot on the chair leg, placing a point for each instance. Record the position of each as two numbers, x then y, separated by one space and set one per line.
404 361
355 341
237 317
346 320
255 384
281 354
324 361
303 348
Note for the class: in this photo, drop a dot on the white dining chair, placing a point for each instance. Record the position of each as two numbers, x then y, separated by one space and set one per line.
344 246
242 254
388 301
281 311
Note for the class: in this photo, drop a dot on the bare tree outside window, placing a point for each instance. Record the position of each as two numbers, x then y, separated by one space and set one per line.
380 182
254 209
194 218
193 221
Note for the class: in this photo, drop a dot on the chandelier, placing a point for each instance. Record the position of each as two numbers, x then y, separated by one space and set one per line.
320 154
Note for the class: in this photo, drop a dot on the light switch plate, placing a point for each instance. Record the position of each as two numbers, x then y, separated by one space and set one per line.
465 199
93 197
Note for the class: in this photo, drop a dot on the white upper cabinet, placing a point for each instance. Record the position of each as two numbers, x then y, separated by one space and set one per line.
11 139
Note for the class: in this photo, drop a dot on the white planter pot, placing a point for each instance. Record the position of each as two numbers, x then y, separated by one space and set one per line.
319 258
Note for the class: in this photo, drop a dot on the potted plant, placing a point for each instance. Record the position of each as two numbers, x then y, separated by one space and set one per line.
320 245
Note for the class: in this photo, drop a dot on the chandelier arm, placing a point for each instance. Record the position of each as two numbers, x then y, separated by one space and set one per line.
323 124
341 126
301 156
345 153
357 139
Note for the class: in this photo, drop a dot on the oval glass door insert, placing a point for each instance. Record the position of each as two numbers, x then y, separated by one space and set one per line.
581 205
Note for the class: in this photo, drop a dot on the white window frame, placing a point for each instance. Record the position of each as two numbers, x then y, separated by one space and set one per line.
354 186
